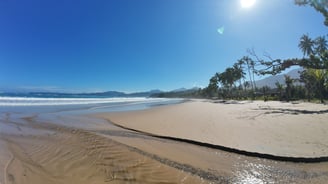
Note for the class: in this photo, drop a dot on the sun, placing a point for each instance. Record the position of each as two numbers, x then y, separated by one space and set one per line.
247 3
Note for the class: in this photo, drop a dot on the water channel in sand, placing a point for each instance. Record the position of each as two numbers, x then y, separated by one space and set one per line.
68 145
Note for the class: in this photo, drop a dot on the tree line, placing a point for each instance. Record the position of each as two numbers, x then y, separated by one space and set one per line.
238 80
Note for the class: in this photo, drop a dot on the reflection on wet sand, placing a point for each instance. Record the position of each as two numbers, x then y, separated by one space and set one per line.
220 166
40 149
65 155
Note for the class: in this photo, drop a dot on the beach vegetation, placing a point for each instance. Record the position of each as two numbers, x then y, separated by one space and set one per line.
319 5
239 80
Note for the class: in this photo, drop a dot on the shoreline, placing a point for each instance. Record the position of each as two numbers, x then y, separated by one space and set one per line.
232 150
71 147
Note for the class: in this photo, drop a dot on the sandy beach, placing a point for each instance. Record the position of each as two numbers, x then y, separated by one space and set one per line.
61 147
275 128
58 155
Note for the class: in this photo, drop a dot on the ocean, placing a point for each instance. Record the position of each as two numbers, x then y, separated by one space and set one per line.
82 105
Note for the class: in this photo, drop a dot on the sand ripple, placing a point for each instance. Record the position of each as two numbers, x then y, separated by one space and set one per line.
77 156
45 152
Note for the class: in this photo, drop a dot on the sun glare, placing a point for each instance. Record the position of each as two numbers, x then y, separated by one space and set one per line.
247 3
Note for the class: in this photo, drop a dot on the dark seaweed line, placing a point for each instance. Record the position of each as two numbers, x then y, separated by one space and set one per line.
233 150
180 166
183 167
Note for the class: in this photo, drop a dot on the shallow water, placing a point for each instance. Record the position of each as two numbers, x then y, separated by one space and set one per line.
70 146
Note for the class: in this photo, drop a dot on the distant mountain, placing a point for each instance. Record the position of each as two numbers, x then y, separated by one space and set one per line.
108 94
270 81
178 93
144 94
185 89
179 90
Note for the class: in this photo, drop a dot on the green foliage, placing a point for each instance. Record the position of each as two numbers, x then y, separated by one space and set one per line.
314 78
212 88
280 89
192 93
289 85
321 44
316 81
319 5
315 50
306 45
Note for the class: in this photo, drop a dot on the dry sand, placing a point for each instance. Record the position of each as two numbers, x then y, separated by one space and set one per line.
275 128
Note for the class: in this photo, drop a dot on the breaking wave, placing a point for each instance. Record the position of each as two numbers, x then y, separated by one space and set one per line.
34 101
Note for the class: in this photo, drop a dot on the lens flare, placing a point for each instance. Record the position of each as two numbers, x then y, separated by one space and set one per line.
221 30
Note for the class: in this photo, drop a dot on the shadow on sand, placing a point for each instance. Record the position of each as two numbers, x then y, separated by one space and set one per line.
292 111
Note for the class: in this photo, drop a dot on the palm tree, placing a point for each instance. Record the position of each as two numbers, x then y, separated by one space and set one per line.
321 45
252 63
306 45
319 80
212 87
247 85
289 84
241 64
247 60
265 90
280 89
230 76
228 79
238 72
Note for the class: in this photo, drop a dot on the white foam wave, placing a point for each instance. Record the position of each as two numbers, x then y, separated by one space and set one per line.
32 101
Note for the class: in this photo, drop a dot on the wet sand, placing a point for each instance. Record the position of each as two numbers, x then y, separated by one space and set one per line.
274 128
59 154
60 148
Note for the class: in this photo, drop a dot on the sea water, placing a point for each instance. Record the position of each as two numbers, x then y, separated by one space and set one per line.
82 105
68 111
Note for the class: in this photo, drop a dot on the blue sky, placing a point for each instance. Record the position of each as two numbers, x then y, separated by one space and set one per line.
137 45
